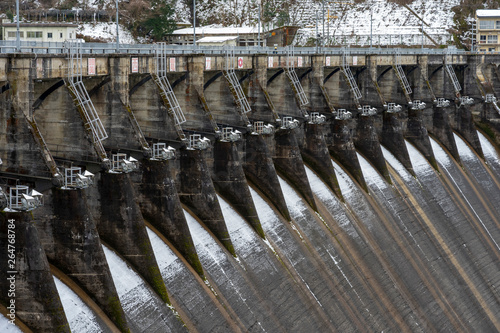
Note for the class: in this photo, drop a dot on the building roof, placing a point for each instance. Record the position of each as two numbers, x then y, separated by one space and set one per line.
41 24
488 13
211 30
217 39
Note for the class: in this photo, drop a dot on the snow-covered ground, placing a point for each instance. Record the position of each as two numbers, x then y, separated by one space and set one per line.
106 32
353 23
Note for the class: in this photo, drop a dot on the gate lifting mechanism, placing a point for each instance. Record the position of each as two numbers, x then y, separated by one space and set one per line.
162 152
74 178
342 114
196 142
442 103
20 198
417 105
393 108
229 135
120 163
368 111
260 128
289 123
466 100
317 118
490 98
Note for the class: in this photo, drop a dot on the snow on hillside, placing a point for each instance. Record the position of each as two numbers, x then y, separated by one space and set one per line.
353 22
106 32
391 23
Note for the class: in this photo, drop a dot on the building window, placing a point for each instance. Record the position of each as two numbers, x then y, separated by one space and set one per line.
485 25
70 35
60 35
34 34
12 34
497 26
493 39
482 39
491 49
49 34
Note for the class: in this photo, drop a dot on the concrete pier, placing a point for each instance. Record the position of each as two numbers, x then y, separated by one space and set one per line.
27 277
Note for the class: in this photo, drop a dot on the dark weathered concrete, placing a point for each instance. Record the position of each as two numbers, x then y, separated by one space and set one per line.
416 133
198 193
315 153
342 150
289 164
230 182
259 169
366 140
160 206
464 125
76 250
392 138
36 301
442 130
121 225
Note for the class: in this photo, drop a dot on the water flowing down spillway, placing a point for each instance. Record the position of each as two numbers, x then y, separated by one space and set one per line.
144 310
490 154
450 226
188 292
228 277
81 318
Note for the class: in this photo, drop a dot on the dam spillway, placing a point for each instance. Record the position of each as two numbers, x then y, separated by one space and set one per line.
333 191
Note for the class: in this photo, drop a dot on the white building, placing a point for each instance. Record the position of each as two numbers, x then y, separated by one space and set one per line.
39 32
488 30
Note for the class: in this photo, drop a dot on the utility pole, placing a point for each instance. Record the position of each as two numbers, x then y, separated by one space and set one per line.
317 34
422 32
371 25
194 24
18 34
323 19
258 38
117 30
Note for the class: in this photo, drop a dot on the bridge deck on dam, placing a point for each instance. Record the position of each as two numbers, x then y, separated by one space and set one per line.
168 189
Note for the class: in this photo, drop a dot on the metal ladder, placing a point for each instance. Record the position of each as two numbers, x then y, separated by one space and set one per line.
453 77
166 92
292 77
350 78
81 98
234 85
401 75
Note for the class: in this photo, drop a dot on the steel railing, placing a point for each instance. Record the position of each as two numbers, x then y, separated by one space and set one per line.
110 48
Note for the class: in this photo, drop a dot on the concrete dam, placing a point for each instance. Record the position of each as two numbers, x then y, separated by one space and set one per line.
332 190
